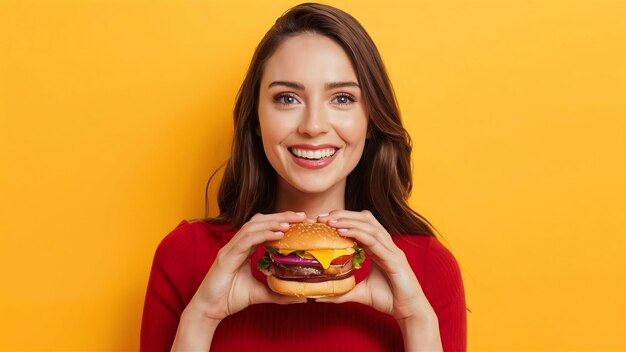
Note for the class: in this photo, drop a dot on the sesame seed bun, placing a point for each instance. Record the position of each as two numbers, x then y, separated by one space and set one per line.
305 236
311 289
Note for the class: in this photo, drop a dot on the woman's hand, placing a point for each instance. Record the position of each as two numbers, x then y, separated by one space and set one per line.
391 286
229 286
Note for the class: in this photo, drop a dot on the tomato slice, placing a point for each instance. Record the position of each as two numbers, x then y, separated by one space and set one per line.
341 260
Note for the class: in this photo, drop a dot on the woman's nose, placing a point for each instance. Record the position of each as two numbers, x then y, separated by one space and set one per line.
315 120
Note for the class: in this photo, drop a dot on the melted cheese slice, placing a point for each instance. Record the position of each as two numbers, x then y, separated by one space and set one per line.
286 251
324 256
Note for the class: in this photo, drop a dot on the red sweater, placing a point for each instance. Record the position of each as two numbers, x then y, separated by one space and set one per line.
186 254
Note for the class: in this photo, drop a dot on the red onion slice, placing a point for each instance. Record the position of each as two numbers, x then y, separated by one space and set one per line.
292 259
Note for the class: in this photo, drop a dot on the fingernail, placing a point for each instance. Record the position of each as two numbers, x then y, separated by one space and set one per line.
284 224
342 230
278 233
333 221
325 214
300 213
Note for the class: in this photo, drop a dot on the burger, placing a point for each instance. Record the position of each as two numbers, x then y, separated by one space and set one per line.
311 260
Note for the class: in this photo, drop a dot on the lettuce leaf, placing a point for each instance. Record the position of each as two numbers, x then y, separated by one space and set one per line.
264 262
358 259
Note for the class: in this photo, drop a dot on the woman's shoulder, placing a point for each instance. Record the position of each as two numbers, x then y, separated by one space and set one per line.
189 236
185 255
433 263
424 248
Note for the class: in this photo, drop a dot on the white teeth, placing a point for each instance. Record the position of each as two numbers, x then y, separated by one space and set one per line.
313 154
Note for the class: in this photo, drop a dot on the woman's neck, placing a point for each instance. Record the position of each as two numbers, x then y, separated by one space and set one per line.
313 204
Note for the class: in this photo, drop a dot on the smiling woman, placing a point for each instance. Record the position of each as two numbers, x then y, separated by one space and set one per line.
318 138
313 124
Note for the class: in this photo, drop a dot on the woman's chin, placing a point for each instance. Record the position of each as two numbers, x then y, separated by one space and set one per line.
315 186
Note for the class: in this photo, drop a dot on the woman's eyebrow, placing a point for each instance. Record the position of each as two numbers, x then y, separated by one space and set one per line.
329 86
335 85
292 85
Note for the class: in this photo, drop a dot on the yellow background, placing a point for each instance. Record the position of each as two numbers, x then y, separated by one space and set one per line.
114 114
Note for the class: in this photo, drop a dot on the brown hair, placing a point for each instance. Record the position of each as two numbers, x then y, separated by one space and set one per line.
381 181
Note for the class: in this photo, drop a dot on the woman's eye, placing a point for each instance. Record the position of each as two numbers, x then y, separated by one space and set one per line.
343 99
286 99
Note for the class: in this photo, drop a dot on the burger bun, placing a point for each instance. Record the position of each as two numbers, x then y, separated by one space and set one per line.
311 289
305 236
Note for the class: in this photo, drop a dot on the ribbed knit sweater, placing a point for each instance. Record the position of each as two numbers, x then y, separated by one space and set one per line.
184 257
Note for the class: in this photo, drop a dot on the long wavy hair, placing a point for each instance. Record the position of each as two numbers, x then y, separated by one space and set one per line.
381 182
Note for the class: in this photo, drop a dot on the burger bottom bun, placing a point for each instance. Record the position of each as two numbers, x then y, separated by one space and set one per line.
311 289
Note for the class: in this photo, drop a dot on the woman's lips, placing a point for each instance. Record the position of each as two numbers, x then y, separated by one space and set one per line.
313 157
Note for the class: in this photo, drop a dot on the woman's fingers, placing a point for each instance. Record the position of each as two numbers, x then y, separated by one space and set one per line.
235 252
366 230
229 285
261 228
364 221
391 285
271 222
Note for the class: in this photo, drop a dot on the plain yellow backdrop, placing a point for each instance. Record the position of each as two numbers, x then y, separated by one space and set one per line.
114 114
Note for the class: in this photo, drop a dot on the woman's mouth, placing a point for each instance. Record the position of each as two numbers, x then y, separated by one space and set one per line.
316 155
313 158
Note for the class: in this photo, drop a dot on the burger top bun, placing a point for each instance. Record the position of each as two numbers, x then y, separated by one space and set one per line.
304 236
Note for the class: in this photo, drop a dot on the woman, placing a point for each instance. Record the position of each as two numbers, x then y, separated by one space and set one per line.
318 137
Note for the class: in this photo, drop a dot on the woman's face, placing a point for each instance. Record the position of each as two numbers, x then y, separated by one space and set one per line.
312 116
